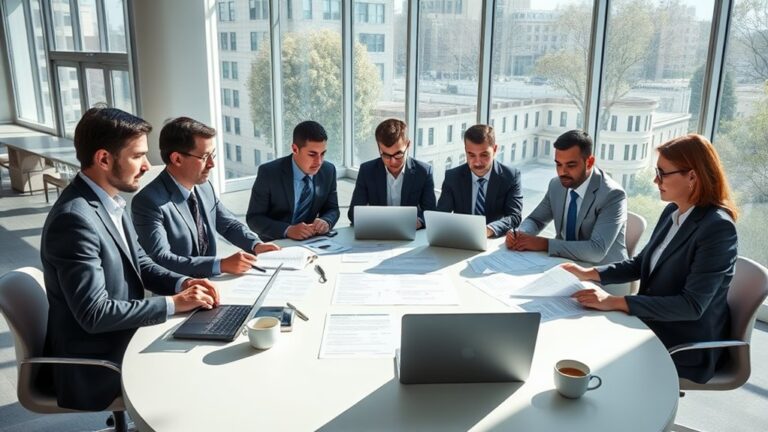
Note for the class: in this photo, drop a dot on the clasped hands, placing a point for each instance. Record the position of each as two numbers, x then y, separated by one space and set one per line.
303 231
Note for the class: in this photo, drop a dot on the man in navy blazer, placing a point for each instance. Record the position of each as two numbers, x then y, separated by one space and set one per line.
483 186
394 179
295 196
177 215
95 272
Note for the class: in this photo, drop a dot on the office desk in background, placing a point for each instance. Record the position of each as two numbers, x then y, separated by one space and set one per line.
32 156
172 385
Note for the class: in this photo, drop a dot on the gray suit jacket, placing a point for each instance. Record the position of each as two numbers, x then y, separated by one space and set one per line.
503 196
600 227
270 210
95 289
167 230
684 298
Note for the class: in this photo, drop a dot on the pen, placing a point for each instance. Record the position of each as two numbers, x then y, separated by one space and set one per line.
298 312
319 270
257 268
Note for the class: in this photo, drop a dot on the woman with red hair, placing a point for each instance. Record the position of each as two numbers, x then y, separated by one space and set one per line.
687 266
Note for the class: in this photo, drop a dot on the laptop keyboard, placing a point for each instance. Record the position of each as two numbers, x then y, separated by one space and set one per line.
228 321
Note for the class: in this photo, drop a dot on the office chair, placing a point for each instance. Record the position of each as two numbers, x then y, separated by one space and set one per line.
25 306
5 162
747 292
635 227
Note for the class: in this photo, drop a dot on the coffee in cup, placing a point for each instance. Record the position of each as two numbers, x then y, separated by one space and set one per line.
263 331
572 378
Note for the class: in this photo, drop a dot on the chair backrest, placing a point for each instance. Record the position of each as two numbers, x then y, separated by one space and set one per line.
24 304
635 227
747 292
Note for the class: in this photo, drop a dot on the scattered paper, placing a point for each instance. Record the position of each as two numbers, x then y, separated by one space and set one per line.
555 282
506 261
553 307
358 336
289 286
325 246
396 289
292 258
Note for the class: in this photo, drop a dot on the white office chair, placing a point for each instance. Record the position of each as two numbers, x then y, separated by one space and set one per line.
24 304
635 227
747 292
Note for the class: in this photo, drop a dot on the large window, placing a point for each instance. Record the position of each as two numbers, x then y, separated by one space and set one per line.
87 56
742 131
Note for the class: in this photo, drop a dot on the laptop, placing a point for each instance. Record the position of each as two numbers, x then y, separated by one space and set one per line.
467 348
385 223
224 322
454 230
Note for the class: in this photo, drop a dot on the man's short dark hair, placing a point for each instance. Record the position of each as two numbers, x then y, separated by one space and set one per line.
308 131
178 135
575 137
390 131
106 128
480 134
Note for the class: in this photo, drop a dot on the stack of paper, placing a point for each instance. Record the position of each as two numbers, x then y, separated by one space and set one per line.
292 258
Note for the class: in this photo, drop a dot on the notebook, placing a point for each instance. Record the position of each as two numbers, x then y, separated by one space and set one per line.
224 322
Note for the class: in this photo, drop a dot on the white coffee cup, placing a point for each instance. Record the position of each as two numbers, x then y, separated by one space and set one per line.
572 378
263 331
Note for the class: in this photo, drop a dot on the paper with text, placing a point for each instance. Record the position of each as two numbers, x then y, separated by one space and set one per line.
358 336
395 289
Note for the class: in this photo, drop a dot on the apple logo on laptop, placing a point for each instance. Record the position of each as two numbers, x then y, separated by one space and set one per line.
468 353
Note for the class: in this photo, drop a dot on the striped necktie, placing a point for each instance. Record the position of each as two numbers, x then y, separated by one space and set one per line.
305 202
480 201
202 238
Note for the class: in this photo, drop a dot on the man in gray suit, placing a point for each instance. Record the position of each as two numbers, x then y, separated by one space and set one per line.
177 215
295 196
95 271
588 207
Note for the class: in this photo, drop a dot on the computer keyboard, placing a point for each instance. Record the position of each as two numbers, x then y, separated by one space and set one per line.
228 321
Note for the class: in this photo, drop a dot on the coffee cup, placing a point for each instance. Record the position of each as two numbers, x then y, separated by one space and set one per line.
572 378
263 331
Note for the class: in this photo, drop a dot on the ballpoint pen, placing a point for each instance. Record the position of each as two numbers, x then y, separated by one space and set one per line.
319 270
257 268
300 314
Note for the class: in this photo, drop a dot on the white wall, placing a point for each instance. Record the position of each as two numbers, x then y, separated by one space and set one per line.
175 63
6 92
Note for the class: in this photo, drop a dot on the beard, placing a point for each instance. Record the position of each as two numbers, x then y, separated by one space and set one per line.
118 181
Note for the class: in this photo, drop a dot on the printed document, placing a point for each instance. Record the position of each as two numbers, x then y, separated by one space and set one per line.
358 336
292 258
394 289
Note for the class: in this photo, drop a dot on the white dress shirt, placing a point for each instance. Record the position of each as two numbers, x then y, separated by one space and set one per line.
395 187
677 221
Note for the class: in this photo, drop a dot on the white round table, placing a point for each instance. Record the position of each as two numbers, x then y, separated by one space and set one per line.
173 385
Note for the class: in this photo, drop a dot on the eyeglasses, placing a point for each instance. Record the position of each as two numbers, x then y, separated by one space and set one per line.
660 174
204 158
397 156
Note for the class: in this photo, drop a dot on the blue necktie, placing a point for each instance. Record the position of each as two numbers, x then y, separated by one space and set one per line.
305 202
570 224
480 201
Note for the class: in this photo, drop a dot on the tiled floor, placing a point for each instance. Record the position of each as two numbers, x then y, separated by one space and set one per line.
21 219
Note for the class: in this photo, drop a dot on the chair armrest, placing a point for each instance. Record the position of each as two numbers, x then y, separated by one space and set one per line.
73 361
706 345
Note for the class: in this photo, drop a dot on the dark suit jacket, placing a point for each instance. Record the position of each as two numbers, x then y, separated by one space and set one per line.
503 197
371 187
683 299
271 207
167 230
95 290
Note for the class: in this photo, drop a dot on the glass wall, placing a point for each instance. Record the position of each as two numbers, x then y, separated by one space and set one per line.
742 131
655 55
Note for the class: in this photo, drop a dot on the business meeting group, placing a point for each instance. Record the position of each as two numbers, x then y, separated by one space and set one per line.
99 257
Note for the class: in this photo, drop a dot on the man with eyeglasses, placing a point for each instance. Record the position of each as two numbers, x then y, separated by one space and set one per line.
484 186
394 179
589 209
177 215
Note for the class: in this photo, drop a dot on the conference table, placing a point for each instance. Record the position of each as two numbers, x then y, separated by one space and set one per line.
177 385
32 156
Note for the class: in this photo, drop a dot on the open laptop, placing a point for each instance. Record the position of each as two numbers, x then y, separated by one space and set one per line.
467 348
224 322
385 223
454 230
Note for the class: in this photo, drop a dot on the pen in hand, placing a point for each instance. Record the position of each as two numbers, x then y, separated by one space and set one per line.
257 268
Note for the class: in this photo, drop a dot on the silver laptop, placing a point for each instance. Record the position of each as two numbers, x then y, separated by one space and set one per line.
385 223
467 348
454 230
